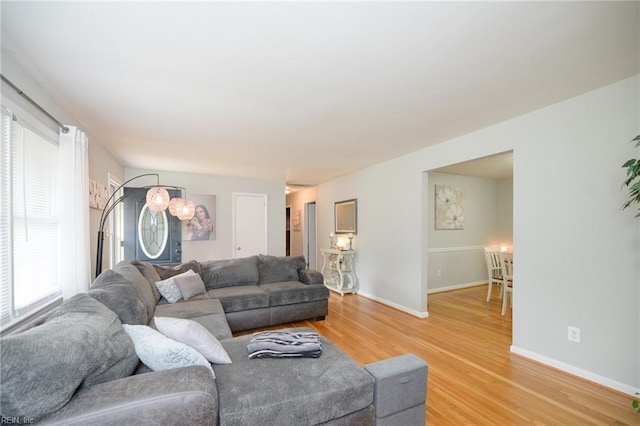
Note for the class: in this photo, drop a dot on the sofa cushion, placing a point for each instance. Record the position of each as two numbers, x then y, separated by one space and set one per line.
81 344
195 335
159 352
229 272
190 309
208 313
170 271
279 268
290 292
290 391
140 283
149 272
240 298
118 294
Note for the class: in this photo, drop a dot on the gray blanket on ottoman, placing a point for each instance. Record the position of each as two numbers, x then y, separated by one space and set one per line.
285 344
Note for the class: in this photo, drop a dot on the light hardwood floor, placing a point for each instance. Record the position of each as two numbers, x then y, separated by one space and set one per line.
473 378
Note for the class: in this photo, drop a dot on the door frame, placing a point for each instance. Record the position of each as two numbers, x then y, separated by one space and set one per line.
311 230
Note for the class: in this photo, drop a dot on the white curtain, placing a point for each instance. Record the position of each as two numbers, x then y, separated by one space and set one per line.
75 264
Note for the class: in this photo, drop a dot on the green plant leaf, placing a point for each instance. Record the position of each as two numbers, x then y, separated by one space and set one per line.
632 182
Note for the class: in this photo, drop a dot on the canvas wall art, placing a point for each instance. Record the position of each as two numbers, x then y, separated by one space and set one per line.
97 195
449 207
297 220
202 227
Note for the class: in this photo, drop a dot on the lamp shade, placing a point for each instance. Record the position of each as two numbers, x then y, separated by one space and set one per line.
157 199
186 210
174 205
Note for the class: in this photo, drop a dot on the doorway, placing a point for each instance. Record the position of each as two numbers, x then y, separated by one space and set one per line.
486 184
310 226
287 236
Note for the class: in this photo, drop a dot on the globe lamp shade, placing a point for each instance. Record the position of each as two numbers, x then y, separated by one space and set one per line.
174 205
186 210
157 199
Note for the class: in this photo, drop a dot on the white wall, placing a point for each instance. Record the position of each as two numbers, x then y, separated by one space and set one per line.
223 187
577 254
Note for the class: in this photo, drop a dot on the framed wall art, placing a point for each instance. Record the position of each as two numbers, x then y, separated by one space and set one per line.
449 208
202 226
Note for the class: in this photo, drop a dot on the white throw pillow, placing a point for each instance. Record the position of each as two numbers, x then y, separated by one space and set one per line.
158 352
195 335
169 289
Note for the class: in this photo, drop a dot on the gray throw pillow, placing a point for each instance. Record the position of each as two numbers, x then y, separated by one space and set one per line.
171 271
169 290
190 285
81 344
149 272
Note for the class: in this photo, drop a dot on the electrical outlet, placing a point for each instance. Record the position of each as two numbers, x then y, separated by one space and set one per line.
574 334
439 273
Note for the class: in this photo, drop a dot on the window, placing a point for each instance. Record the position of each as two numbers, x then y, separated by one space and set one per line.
29 219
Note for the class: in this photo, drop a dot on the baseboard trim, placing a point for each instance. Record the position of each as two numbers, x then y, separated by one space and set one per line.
394 305
584 374
456 287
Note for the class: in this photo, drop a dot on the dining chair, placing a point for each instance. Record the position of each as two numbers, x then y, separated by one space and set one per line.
507 279
494 268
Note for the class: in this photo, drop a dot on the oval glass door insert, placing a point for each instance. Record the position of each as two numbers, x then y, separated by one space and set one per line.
153 232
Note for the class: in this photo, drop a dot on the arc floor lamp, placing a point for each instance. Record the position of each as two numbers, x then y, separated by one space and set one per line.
157 200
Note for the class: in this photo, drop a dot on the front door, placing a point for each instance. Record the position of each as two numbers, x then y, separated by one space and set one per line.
154 237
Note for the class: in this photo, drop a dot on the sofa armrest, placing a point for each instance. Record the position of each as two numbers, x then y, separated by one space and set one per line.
179 396
400 390
310 276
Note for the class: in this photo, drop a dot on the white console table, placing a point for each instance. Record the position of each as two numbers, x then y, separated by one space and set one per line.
338 270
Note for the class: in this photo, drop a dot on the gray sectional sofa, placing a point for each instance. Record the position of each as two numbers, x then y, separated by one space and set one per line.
78 365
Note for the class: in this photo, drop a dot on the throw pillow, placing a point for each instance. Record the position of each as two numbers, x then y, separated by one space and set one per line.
149 272
171 271
169 289
190 285
195 335
158 352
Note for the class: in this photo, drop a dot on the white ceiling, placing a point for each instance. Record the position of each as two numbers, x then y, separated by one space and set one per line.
307 91
499 166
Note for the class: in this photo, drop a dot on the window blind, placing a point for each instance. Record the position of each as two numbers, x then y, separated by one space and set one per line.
30 275
5 219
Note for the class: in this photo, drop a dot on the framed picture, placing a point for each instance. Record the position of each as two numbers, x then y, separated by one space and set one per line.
297 220
346 216
97 195
449 208
202 227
